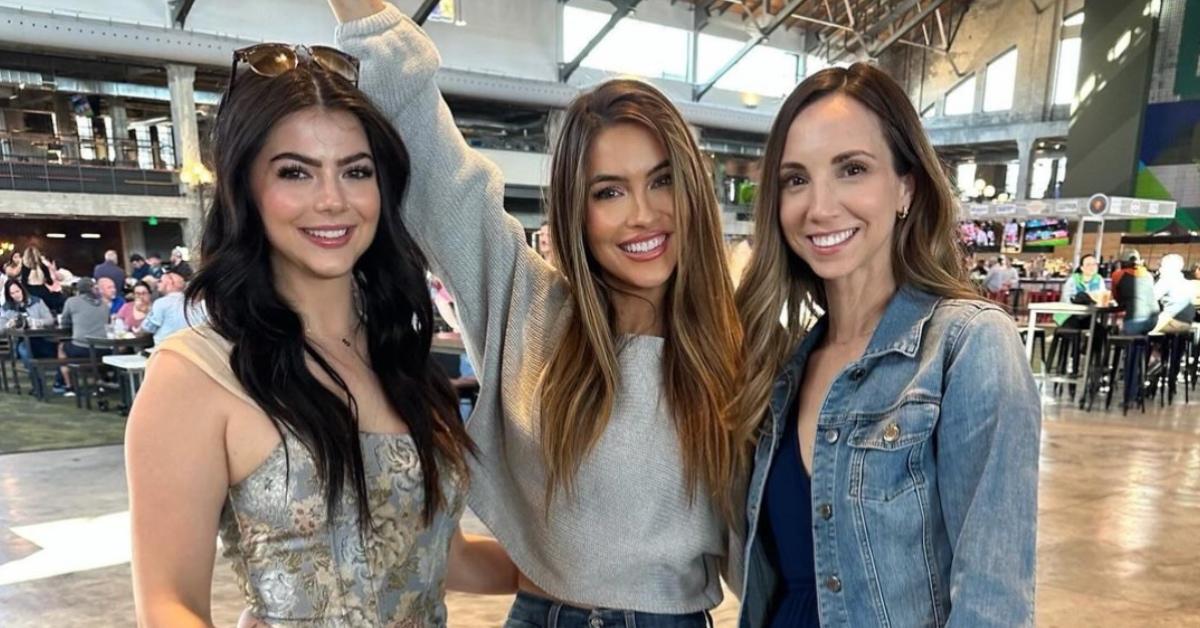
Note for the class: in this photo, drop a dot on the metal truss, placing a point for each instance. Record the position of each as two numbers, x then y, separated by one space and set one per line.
180 10
623 9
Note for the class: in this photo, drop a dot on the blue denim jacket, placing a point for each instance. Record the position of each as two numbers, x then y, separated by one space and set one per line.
925 471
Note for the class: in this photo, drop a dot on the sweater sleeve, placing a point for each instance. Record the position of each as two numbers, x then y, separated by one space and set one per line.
454 205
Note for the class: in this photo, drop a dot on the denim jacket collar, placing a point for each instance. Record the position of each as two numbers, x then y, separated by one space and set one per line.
902 324
899 330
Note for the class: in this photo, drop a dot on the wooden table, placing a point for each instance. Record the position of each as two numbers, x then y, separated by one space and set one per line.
52 333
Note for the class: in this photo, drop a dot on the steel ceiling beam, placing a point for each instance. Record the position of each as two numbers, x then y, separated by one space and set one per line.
424 11
904 29
624 8
778 20
180 10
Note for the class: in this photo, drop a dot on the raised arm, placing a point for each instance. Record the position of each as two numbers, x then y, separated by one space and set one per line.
178 477
454 205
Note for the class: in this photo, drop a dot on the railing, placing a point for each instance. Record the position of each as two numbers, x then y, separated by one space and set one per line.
48 163
74 150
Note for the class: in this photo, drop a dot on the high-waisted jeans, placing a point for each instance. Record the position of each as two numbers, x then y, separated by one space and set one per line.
530 611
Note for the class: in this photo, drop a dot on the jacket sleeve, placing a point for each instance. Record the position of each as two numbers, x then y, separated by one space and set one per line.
987 466
454 205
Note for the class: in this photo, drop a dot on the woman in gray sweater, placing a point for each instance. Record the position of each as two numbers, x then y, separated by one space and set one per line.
606 468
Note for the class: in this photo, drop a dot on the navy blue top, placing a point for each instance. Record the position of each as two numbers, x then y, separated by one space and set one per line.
788 506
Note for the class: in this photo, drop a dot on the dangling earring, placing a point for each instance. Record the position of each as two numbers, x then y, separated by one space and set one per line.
903 213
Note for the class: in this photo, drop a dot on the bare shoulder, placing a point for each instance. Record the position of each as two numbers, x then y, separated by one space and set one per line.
178 403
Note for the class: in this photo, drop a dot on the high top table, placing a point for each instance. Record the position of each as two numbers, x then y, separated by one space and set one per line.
1051 307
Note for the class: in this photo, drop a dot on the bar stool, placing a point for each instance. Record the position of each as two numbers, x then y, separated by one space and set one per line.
1066 348
1039 341
1129 356
1174 349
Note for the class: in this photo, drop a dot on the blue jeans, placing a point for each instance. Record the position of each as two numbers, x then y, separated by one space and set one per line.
530 611
30 349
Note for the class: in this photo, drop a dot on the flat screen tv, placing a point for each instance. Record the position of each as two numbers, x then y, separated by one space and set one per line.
1047 233
980 236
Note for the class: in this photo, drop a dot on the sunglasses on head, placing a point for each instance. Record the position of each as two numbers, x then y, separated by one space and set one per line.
271 60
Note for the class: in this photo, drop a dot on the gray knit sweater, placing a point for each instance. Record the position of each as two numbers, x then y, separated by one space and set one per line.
630 537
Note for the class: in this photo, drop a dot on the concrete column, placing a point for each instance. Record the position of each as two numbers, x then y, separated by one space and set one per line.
181 83
135 240
120 128
1025 156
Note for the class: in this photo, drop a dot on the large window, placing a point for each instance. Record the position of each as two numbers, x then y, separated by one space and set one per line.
1000 82
1066 72
632 47
764 70
961 99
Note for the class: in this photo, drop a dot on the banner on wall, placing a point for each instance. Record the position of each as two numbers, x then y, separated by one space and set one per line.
1187 72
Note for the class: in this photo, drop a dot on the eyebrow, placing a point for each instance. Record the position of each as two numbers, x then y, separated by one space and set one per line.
600 178
316 163
850 154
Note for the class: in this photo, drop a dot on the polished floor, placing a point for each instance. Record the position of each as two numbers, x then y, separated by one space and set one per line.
1119 531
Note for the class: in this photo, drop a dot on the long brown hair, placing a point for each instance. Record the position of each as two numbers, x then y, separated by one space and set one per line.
702 335
925 249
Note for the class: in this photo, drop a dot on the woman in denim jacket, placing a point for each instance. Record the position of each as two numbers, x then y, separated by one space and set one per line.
895 479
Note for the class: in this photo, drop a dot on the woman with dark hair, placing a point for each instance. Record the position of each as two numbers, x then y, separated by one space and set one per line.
327 452
23 309
895 479
132 313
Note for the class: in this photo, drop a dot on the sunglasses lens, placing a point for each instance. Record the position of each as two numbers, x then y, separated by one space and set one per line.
336 61
271 60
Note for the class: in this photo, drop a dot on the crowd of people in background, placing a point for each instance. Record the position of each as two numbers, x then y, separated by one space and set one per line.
112 302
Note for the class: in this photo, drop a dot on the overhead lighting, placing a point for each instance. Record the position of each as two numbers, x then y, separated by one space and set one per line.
56 236
90 236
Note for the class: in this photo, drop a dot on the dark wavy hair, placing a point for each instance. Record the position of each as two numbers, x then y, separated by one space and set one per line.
270 349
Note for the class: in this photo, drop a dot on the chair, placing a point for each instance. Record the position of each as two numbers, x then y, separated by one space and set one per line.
1066 349
1039 341
8 359
1128 356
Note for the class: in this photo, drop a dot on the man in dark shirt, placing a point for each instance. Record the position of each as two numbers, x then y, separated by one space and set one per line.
110 269
1134 290
140 268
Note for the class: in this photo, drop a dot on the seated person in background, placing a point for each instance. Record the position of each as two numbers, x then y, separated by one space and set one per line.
169 313
1084 287
87 314
134 312
21 308
179 263
110 294
140 267
1195 281
1002 276
1175 293
1135 293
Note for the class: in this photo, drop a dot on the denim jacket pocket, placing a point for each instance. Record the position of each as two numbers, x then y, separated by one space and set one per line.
886 450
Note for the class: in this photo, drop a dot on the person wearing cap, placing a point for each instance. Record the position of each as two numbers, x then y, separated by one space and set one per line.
1134 291
179 263
86 314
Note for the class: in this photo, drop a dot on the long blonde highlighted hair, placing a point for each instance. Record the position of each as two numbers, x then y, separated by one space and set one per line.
925 249
702 336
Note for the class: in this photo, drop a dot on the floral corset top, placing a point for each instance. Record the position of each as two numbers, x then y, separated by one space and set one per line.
298 568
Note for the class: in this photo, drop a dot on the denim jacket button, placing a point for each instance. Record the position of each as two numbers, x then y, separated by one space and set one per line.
833 583
826 511
891 433
831 436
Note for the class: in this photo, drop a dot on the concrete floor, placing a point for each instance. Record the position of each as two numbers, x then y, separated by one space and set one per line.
1119 531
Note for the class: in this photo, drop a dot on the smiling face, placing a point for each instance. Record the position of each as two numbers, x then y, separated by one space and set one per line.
631 210
840 195
315 187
